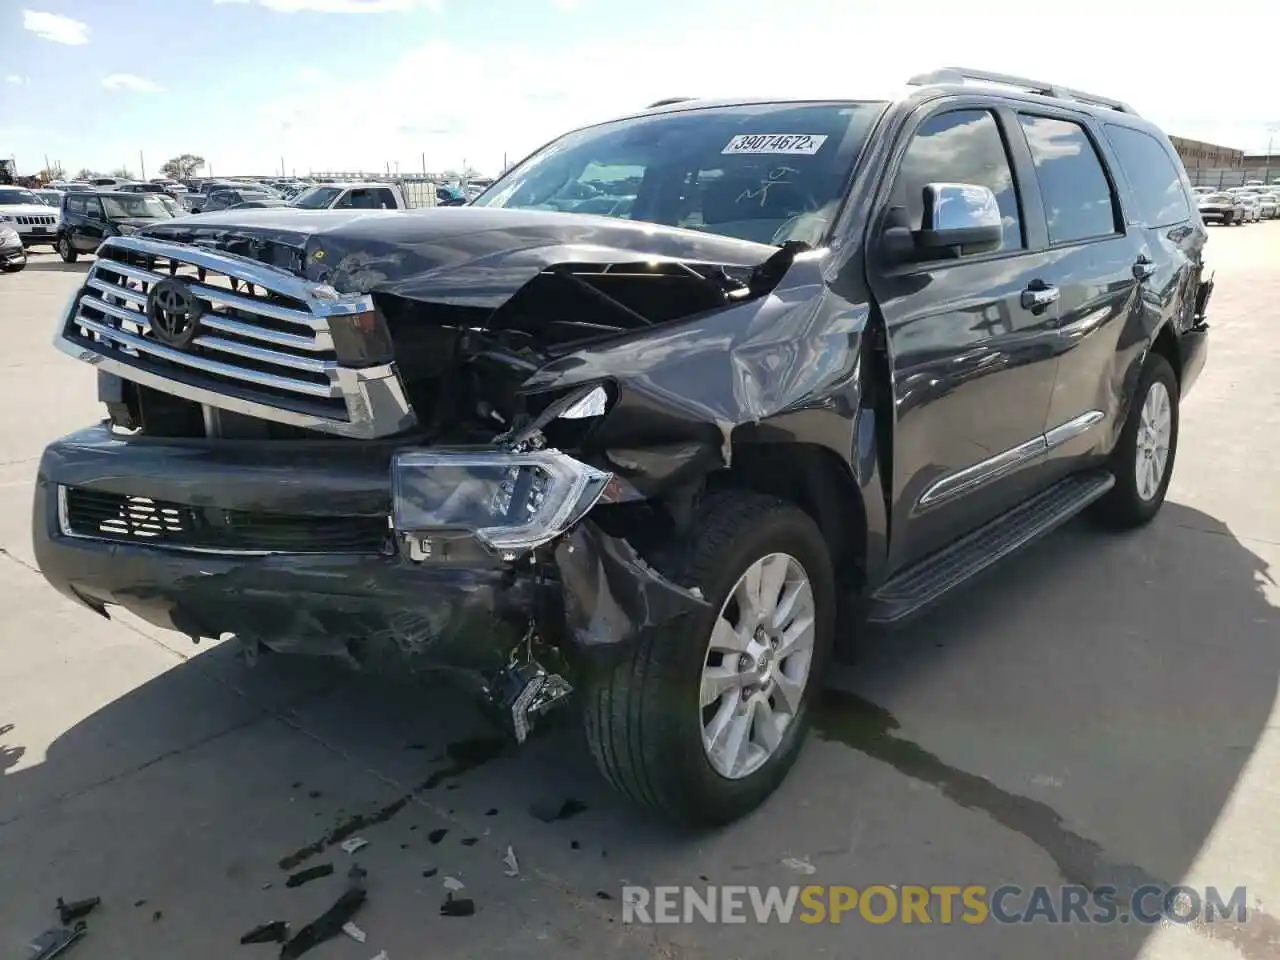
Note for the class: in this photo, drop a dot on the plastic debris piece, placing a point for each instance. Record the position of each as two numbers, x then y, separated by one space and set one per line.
453 883
354 844
513 865
277 931
457 908
435 836
354 932
470 841
326 926
800 865
76 909
309 874
430 872
53 942
602 895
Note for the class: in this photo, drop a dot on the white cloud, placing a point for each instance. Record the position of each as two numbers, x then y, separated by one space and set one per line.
127 81
343 6
52 26
16 80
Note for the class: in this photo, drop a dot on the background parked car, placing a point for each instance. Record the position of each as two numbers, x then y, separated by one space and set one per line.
139 188
34 221
13 255
89 218
52 197
259 204
1252 206
1270 203
1220 207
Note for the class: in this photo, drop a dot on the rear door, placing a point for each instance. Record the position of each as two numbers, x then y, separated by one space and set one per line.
1099 367
1092 262
971 348
93 227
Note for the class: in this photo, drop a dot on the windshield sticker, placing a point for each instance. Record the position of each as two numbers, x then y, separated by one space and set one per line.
803 144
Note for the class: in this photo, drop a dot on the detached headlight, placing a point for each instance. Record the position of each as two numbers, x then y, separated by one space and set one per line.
510 501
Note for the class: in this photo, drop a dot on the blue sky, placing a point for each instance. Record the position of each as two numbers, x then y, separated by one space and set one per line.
363 84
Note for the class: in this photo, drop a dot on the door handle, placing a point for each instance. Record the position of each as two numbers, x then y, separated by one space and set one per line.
1038 294
1143 267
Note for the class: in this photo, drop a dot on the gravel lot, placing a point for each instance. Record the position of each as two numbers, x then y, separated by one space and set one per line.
1102 709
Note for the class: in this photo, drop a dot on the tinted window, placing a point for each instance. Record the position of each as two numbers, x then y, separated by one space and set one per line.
963 146
385 198
1073 186
763 172
1154 180
76 204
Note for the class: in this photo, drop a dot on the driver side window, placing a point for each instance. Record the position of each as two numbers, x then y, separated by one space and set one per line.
959 146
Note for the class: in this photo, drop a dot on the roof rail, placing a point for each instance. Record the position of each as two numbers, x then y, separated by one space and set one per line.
959 75
667 102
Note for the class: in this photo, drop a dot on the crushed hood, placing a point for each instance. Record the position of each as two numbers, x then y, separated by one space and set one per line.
462 256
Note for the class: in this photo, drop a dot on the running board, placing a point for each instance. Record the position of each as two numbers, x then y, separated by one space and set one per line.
921 584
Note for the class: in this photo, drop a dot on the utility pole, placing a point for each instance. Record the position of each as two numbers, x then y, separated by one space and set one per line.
424 165
142 166
1271 136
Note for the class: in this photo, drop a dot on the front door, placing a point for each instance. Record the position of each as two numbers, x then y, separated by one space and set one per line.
92 229
971 346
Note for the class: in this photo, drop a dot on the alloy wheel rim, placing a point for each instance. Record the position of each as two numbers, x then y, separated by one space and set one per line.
1155 432
757 665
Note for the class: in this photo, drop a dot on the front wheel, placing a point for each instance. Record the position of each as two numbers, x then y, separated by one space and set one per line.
702 722
1143 457
66 250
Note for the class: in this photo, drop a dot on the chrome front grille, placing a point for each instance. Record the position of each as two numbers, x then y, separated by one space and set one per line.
264 344
37 220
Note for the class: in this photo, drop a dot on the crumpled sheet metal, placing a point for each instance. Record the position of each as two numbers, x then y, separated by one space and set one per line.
611 596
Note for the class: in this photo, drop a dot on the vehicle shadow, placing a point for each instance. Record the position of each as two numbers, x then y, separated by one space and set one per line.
1080 716
55 264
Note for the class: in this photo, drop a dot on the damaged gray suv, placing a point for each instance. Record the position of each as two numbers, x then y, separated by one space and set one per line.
657 423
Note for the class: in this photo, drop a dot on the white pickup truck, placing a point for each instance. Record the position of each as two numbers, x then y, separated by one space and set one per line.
366 196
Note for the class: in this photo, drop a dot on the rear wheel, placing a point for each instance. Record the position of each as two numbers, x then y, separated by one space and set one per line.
702 722
1142 461
66 250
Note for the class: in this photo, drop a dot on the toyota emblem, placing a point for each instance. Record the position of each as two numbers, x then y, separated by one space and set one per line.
174 313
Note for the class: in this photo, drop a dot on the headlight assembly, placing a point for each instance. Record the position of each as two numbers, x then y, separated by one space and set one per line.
511 502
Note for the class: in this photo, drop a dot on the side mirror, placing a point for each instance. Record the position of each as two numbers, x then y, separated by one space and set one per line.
959 216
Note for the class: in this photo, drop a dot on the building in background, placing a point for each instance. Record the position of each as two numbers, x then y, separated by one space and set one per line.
1196 154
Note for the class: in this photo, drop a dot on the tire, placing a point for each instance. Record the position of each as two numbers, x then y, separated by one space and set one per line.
1125 506
643 718
66 250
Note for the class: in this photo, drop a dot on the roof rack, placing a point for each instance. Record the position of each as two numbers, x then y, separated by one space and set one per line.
959 75
668 102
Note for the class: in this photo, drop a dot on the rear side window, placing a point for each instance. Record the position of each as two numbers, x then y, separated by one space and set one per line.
1073 185
961 146
76 205
1154 180
385 198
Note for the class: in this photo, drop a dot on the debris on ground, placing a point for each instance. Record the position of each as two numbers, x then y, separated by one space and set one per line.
435 836
549 811
354 932
491 812
457 908
139 903
277 931
157 916
315 794
354 844
430 872
53 942
470 841
76 909
800 865
603 895
309 874
382 955
326 926
356 875
513 865
453 883
574 845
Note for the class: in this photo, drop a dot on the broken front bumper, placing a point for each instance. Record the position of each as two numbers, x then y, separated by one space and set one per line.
295 552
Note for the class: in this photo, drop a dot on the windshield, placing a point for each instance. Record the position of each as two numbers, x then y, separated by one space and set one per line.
8 197
316 198
141 205
763 172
